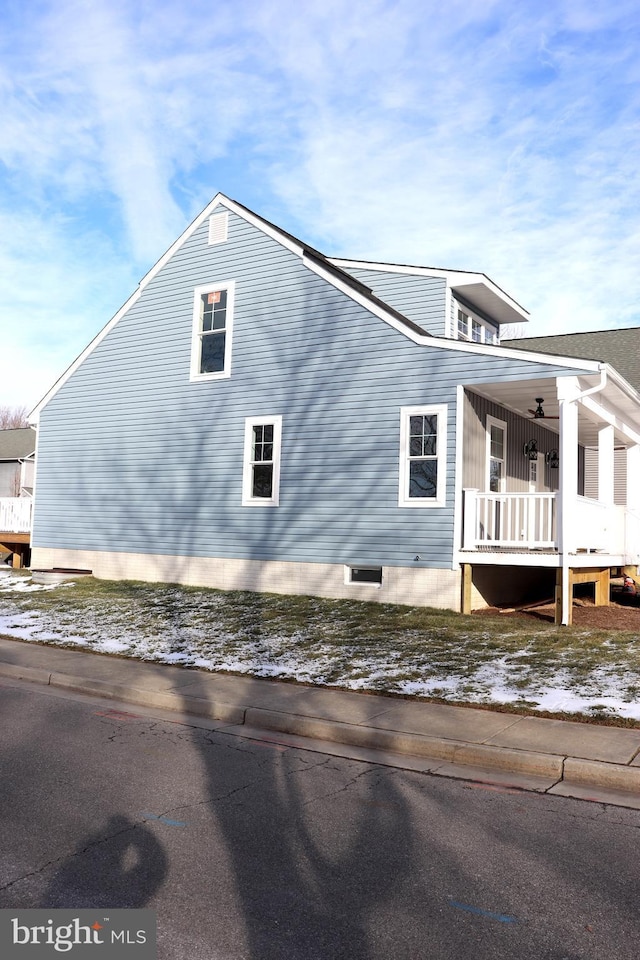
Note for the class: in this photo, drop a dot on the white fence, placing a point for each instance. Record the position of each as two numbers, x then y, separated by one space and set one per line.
15 514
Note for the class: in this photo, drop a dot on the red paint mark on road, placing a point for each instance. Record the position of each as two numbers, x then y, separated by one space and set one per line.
117 715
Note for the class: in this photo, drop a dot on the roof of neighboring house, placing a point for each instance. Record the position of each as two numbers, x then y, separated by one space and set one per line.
619 348
17 444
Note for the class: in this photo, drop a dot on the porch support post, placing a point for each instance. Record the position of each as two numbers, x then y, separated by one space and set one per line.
568 389
467 575
469 519
633 478
605 464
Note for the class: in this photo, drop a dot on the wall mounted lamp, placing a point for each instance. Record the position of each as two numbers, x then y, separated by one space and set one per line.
552 458
530 450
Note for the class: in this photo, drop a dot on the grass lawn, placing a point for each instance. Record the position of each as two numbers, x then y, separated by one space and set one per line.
411 651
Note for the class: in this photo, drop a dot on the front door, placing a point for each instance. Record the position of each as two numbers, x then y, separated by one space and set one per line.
536 475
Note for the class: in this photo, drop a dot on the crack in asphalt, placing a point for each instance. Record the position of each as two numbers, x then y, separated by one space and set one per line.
73 854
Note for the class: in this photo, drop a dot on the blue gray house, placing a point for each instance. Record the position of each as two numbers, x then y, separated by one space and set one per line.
260 416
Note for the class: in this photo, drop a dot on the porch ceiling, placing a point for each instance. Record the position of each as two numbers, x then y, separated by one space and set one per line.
520 397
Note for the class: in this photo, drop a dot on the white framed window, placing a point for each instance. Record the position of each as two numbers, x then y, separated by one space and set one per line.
463 325
261 472
496 455
212 330
472 326
218 227
423 456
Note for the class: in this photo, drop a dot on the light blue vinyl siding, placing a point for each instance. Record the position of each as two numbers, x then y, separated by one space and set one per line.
419 298
133 457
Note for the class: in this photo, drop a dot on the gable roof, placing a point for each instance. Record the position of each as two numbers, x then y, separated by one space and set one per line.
327 269
619 348
17 444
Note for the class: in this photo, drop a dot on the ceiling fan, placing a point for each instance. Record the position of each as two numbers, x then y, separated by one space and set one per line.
538 413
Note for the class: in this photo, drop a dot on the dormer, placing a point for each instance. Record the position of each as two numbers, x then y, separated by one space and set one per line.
445 303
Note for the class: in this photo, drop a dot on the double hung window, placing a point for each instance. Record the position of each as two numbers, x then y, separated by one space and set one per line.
423 456
261 476
212 328
496 454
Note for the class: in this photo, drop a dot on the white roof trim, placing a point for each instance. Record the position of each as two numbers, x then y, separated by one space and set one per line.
316 267
455 279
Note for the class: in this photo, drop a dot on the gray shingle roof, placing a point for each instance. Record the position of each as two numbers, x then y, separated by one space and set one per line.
620 348
17 444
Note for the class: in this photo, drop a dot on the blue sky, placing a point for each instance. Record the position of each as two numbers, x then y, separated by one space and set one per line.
479 135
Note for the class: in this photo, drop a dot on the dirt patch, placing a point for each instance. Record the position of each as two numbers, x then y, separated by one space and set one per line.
622 614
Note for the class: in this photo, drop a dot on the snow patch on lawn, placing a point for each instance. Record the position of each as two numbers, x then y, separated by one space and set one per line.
189 635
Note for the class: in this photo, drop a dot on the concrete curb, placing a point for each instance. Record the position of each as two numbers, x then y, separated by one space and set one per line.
17 672
562 772
408 744
198 706
612 776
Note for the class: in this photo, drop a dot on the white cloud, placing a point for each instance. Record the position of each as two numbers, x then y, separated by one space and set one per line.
484 135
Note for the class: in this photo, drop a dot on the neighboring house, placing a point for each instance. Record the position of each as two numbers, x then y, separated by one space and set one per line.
259 416
17 455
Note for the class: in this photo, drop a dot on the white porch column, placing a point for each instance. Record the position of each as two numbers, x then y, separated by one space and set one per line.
633 478
568 390
605 464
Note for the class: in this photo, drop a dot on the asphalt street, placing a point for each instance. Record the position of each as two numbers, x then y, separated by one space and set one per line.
252 849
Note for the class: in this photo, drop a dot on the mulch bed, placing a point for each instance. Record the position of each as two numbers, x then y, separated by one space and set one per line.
622 614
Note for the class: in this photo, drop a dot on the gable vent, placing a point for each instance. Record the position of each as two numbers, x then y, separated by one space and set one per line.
218 227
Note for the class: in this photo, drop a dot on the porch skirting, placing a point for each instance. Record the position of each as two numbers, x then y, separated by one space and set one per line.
418 586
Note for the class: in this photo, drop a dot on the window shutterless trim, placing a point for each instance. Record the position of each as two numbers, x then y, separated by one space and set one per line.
438 410
198 334
250 462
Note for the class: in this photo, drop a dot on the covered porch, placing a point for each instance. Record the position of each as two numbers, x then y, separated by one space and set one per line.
568 496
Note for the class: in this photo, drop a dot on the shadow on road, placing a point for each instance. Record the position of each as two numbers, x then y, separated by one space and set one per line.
122 865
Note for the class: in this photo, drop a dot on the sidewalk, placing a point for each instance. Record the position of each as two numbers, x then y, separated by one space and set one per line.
549 756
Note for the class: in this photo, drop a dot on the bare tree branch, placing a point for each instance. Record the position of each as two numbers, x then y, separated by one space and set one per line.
12 418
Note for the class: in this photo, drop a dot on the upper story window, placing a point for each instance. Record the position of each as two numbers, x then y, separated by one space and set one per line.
423 456
212 328
261 474
475 328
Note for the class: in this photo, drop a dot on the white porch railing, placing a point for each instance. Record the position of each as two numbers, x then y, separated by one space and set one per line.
598 526
632 536
526 520
15 514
